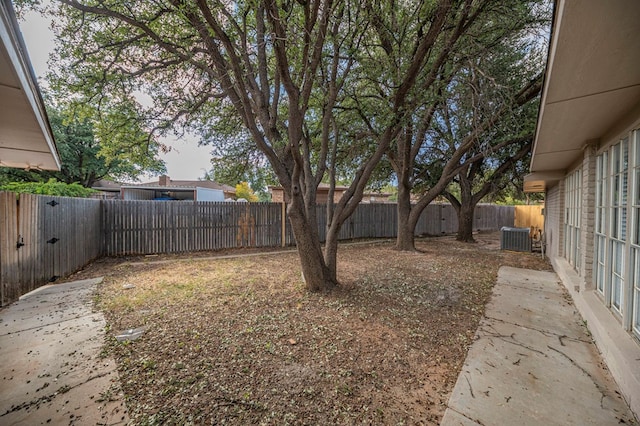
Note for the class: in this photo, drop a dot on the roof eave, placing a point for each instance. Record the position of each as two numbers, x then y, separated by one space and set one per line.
46 157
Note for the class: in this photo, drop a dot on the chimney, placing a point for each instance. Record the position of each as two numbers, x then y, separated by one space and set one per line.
164 180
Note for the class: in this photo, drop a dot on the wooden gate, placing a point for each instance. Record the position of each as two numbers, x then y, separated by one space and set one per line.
43 238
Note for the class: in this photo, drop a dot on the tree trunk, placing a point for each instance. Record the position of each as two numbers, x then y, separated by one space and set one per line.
331 252
406 238
315 272
465 223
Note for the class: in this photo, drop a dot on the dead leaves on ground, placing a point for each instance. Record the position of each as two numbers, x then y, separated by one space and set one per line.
239 341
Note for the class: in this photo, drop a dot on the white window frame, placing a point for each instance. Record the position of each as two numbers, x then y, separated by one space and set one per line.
618 214
572 218
634 232
600 243
617 230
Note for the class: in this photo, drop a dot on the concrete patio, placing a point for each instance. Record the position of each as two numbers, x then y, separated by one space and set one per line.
534 362
52 369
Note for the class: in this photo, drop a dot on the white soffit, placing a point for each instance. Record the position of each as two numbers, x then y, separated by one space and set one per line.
539 181
26 140
592 80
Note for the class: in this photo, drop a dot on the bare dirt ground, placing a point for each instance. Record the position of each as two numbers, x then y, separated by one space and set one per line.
239 341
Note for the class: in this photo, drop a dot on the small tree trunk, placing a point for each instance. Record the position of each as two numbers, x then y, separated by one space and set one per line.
317 275
331 252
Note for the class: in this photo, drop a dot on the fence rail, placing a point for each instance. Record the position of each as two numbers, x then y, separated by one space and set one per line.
43 237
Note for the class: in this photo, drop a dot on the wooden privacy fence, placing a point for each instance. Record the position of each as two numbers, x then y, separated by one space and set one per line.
528 216
438 219
42 238
146 227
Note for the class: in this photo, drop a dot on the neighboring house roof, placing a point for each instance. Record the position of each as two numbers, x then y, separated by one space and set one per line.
184 184
326 186
592 80
321 187
178 188
26 140
193 184
107 186
378 194
173 185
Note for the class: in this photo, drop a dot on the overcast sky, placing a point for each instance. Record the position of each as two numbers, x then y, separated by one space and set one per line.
186 161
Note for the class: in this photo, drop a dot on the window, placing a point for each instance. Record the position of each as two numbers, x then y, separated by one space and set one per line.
573 211
635 237
635 320
601 220
618 224
611 240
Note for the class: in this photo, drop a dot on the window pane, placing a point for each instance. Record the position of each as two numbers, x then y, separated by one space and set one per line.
617 258
617 266
616 293
600 263
624 145
636 313
572 212
601 280
636 199
636 292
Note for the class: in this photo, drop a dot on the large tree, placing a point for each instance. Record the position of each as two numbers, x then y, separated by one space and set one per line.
281 68
235 158
478 179
423 166
83 157
505 76
307 80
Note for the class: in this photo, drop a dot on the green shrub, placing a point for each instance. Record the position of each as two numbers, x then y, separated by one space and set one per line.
52 187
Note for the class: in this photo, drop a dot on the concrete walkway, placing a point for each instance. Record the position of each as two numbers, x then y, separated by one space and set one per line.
533 362
51 368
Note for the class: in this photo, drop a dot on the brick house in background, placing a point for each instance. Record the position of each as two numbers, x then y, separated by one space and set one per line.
166 189
586 158
322 195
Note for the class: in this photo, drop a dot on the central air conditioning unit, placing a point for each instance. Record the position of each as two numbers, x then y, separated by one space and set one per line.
515 239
